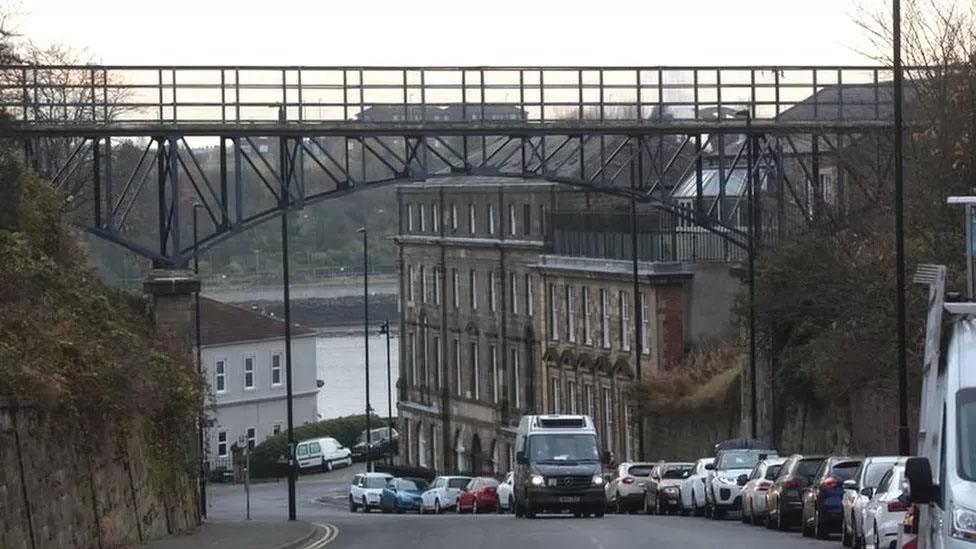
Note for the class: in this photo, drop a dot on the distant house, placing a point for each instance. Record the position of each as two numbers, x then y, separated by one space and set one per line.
243 356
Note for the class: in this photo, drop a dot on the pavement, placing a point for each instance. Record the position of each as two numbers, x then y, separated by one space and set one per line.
253 534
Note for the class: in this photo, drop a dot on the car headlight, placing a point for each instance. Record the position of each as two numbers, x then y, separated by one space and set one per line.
671 490
537 480
724 480
597 480
963 523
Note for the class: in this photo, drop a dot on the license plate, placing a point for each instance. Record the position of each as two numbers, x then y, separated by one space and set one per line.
569 500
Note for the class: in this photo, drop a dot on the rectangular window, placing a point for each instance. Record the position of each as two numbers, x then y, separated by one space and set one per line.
412 352
587 318
607 420
220 375
456 283
645 326
624 321
275 369
474 388
529 296
555 406
252 435
605 317
517 377
571 395
222 444
249 372
589 403
491 219
542 220
491 291
473 283
435 279
472 219
553 313
527 219
423 285
513 292
410 217
435 219
423 217
454 219
457 368
570 314
424 363
410 282
512 229
276 429
435 370
496 380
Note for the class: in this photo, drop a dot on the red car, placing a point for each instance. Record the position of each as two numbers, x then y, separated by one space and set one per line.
481 494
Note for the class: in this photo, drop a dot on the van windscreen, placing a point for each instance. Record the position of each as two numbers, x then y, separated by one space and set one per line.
563 448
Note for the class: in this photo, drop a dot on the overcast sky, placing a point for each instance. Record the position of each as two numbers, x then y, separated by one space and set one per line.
454 32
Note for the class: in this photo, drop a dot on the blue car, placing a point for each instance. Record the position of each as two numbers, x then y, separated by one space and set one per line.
402 494
823 499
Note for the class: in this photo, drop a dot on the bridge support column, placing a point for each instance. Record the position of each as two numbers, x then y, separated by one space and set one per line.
172 306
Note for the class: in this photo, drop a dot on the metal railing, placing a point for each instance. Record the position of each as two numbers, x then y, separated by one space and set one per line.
83 95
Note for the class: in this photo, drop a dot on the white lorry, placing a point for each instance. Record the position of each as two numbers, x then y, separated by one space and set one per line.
942 479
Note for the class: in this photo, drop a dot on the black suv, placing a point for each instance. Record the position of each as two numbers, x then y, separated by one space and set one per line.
380 445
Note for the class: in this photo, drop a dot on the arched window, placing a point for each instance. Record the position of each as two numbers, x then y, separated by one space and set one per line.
421 445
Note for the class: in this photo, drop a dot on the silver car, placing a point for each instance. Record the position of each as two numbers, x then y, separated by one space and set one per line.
442 494
754 492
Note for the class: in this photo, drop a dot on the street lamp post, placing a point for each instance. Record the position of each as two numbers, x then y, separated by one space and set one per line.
904 446
362 230
750 200
385 330
196 311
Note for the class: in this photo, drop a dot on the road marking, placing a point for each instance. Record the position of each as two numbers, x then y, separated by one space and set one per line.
331 533
597 543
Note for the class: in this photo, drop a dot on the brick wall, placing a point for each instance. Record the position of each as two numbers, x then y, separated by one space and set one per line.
65 485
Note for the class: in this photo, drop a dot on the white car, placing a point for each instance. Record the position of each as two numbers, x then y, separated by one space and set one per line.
754 492
442 494
506 499
722 486
857 492
885 512
625 492
366 489
326 453
693 488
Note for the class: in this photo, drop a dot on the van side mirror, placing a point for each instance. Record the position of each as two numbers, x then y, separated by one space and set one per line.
742 480
520 458
709 466
921 489
606 458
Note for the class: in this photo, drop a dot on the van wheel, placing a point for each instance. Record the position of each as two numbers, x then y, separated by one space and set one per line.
328 466
519 513
352 505
437 507
365 505
529 511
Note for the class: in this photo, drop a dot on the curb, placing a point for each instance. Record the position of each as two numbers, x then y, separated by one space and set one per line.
329 534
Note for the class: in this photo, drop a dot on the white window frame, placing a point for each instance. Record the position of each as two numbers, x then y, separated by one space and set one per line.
645 326
605 316
410 218
572 396
456 282
555 387
250 372
251 437
454 217
220 375
513 290
410 281
412 352
512 227
221 444
587 317
473 282
608 418
491 218
517 375
423 284
472 219
435 371
436 285
553 313
570 313
495 374
529 296
422 213
435 221
492 281
589 401
624 321
280 357
475 370
275 429
458 381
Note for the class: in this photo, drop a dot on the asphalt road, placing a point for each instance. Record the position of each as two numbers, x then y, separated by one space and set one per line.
322 498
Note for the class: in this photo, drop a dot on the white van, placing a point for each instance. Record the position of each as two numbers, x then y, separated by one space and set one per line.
942 481
325 453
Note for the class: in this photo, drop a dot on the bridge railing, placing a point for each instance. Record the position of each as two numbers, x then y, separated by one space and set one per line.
95 94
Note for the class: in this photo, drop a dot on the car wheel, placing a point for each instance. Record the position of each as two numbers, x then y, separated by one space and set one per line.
474 507
781 524
365 505
877 539
805 529
457 506
819 530
846 539
529 511
437 507
352 505
718 513
518 510
599 512
658 510
511 504
769 521
746 519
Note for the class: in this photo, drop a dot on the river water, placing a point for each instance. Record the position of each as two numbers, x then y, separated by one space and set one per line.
341 366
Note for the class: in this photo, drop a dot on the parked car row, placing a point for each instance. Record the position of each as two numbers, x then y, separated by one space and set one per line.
391 494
